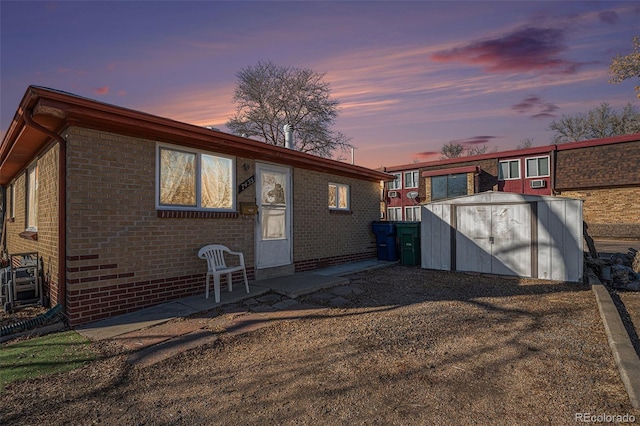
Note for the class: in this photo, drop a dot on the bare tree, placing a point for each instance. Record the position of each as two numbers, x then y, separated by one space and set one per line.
455 150
451 150
525 143
269 96
627 66
477 150
600 122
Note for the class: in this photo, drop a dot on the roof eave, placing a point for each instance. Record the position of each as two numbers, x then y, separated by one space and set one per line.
61 110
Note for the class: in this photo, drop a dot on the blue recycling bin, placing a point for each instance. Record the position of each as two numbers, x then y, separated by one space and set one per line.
385 240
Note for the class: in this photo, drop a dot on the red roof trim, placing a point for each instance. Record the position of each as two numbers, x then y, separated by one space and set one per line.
516 153
441 172
599 142
56 110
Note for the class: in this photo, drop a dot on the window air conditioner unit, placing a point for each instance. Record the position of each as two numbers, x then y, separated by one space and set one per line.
539 183
393 194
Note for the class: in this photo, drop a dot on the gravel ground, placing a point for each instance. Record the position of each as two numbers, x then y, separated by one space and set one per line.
415 347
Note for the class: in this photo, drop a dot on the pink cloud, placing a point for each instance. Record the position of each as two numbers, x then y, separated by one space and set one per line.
428 155
528 49
475 140
101 90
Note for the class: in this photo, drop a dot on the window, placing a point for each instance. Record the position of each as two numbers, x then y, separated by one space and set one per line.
338 196
509 170
412 214
411 179
194 180
397 183
32 198
448 186
394 213
537 167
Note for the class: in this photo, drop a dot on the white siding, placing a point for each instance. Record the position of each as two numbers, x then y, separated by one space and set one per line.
495 234
435 237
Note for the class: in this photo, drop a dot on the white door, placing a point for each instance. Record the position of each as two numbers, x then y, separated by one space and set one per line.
473 238
511 232
494 238
273 231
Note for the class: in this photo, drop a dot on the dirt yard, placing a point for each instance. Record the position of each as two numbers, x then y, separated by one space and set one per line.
416 347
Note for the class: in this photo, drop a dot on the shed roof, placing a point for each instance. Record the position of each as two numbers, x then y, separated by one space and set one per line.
44 113
499 197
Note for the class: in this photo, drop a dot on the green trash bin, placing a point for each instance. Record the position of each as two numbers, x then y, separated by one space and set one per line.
409 242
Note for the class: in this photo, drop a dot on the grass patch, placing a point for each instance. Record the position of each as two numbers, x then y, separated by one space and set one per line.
40 356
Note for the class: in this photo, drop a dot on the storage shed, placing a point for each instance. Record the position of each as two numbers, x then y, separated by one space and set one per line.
505 234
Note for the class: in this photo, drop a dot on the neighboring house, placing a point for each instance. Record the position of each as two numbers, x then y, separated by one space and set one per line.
117 203
605 173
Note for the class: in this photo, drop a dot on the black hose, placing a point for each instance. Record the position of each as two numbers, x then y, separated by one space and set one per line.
31 323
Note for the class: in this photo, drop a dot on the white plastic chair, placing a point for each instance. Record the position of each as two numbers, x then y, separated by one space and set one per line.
214 254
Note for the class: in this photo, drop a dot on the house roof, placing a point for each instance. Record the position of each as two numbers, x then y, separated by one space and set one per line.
44 113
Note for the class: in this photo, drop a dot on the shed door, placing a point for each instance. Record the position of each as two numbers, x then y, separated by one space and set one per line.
494 239
273 231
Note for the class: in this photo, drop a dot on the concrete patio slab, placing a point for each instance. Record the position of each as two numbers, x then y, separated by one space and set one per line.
291 286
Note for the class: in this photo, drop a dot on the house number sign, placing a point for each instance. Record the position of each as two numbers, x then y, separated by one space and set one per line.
247 183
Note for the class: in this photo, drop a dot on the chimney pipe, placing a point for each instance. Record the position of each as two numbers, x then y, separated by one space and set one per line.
288 136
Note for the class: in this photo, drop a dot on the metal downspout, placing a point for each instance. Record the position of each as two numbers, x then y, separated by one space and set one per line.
62 203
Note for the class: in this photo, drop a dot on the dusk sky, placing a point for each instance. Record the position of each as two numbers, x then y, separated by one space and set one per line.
410 76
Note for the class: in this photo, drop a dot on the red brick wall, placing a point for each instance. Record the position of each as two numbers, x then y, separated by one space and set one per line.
607 177
599 166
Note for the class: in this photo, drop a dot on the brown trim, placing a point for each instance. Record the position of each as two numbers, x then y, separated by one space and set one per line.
194 214
453 171
62 224
29 235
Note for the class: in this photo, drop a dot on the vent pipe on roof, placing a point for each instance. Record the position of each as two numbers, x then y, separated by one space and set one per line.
288 136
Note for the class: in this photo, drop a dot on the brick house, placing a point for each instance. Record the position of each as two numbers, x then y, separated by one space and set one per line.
117 203
605 173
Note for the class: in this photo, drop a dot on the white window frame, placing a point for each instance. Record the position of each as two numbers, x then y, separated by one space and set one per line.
337 206
509 168
537 175
396 183
31 198
397 213
199 154
413 213
415 179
